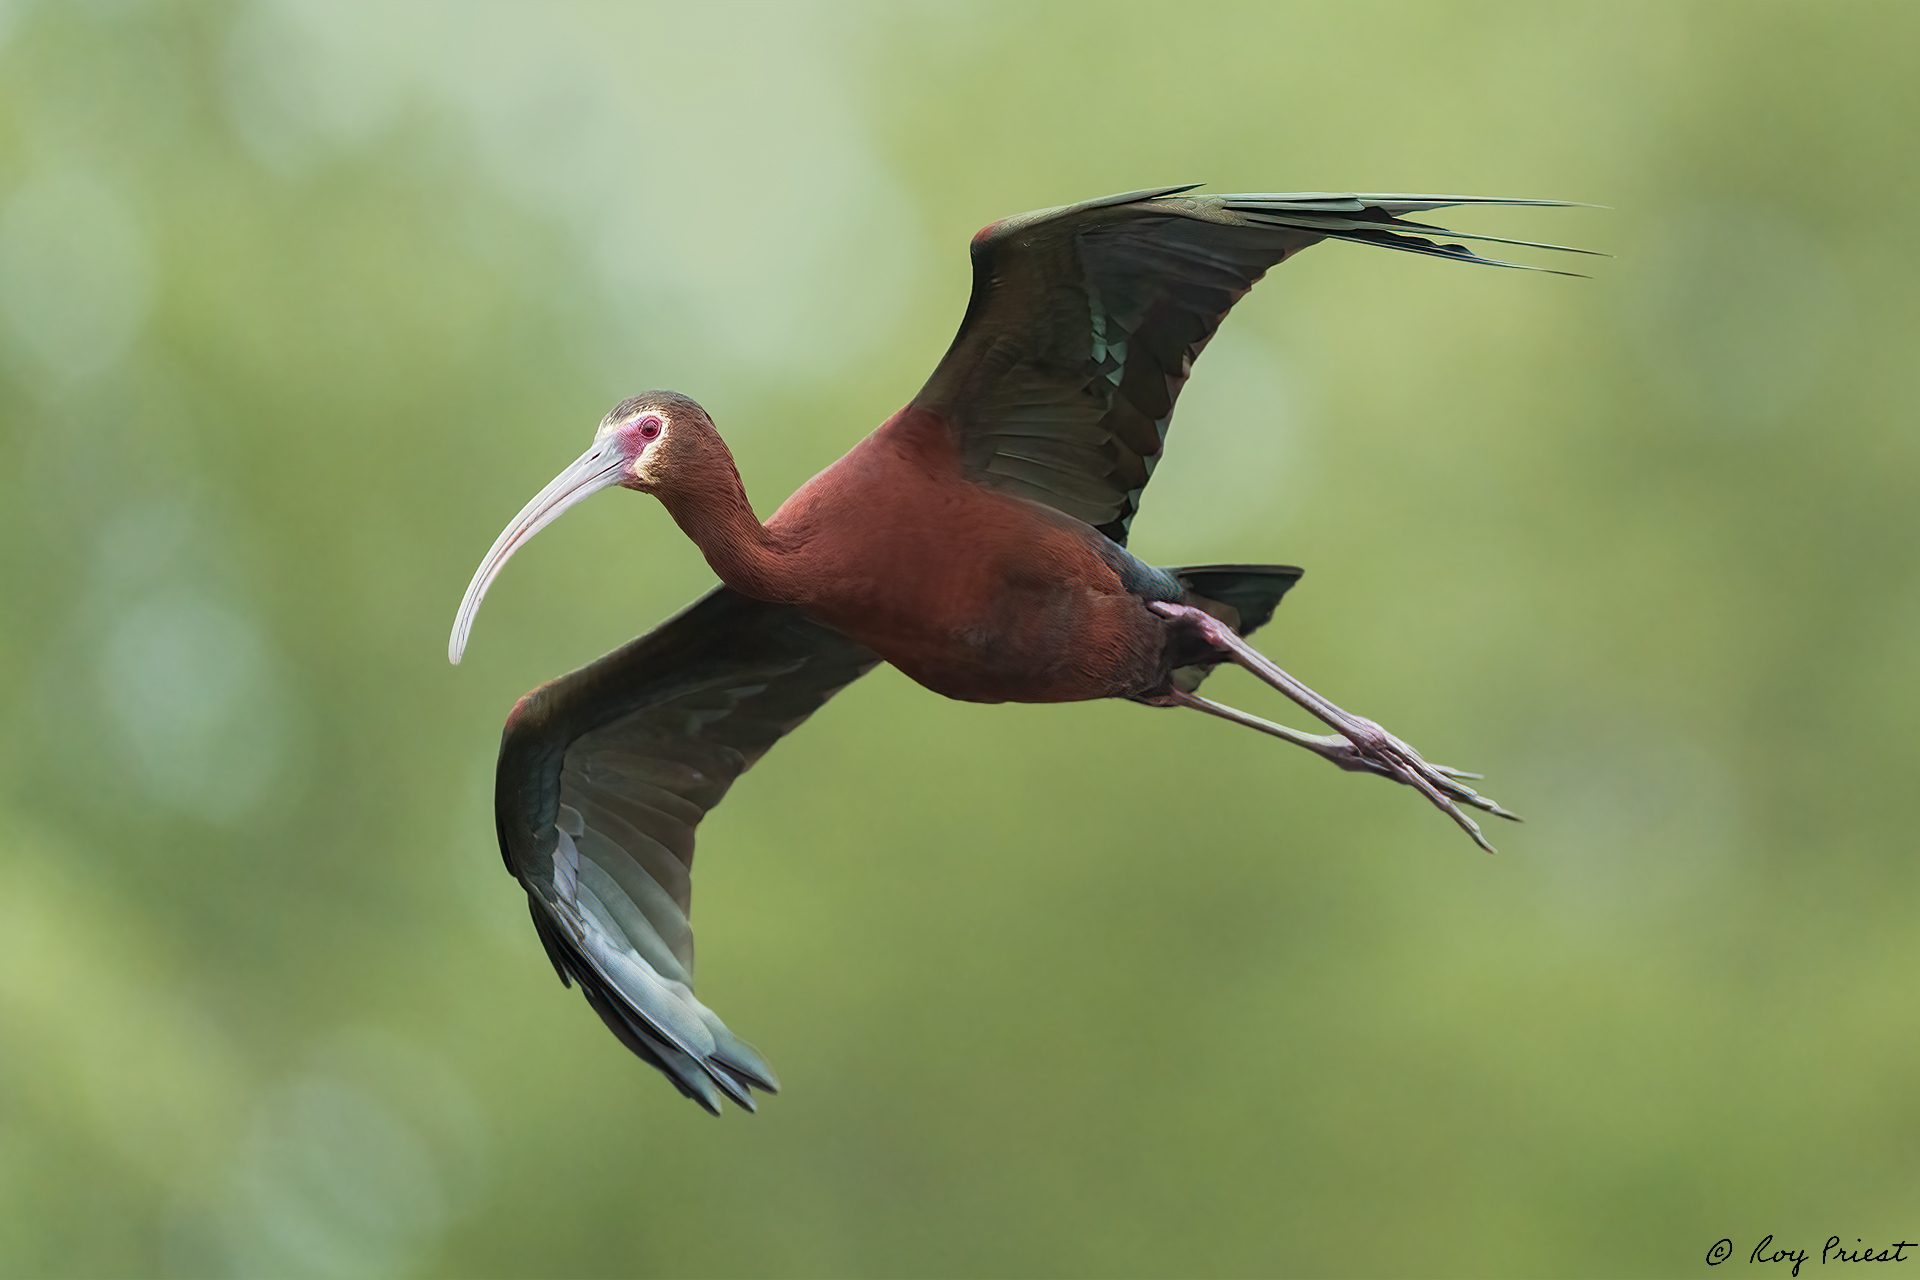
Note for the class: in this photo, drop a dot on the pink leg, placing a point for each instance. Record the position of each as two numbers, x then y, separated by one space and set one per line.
1362 744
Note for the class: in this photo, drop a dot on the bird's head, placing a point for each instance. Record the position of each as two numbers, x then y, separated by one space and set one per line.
654 431
643 443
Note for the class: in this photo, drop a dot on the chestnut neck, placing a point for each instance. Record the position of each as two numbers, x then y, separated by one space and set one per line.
707 500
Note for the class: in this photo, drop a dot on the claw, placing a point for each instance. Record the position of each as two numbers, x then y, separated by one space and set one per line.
1412 772
1460 791
1452 772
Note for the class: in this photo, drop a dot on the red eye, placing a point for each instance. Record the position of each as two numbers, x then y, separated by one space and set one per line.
649 428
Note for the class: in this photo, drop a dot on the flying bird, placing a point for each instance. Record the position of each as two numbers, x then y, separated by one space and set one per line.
976 540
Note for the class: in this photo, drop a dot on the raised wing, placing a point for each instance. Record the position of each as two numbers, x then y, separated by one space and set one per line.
603 776
1085 321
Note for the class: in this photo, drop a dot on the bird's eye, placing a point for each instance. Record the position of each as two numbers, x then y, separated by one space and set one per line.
649 428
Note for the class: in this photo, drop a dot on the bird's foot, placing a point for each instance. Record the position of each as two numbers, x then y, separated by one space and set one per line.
1361 746
1370 748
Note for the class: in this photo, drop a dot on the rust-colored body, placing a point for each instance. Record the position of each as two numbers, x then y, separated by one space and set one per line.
974 594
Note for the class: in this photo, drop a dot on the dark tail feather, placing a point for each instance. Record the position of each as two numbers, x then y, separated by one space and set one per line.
1243 596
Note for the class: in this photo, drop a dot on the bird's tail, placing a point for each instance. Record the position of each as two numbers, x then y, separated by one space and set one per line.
1243 596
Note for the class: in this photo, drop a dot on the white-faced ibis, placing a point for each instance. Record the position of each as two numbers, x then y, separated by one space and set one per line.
976 541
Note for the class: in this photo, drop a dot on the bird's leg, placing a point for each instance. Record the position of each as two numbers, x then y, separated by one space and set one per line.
1330 746
1362 745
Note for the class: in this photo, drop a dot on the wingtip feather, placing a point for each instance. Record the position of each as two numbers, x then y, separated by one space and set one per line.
1450 252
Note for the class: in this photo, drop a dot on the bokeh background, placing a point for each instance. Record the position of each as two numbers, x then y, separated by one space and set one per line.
299 301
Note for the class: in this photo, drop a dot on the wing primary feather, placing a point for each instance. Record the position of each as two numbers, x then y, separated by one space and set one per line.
1524 244
1396 203
1132 197
1451 252
739 1057
1401 226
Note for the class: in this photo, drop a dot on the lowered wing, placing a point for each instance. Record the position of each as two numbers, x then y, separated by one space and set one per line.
603 776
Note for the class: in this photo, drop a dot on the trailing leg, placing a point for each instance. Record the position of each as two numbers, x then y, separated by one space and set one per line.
1362 745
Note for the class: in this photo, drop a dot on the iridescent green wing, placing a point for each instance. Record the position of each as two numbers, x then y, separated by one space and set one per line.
1085 321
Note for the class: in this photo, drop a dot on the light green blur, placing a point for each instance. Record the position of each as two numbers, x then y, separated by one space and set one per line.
300 300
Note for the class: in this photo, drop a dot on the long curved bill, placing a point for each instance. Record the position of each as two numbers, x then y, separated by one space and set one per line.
596 469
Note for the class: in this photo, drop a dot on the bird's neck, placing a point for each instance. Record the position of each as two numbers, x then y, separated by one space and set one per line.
715 514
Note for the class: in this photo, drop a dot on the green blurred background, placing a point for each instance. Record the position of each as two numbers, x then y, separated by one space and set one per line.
299 301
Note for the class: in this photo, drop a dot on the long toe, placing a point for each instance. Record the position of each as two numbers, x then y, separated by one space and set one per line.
1452 772
1449 781
1444 802
1442 787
